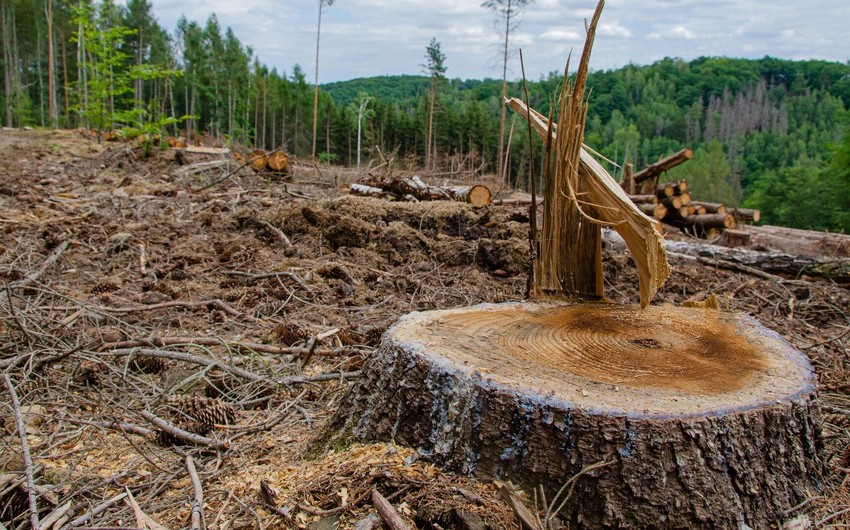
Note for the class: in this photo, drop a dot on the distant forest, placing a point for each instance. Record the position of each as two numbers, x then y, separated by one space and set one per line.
770 134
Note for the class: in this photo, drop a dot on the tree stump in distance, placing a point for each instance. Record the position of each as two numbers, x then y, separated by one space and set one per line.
706 419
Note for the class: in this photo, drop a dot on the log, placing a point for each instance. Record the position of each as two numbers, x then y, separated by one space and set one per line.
258 160
477 195
665 190
672 203
653 170
774 263
704 222
704 419
654 210
278 162
685 197
746 214
643 199
201 150
710 207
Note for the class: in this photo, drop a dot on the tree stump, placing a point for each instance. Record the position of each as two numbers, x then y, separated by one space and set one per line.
705 419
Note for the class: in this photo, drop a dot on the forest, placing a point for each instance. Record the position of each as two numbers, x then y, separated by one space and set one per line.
771 134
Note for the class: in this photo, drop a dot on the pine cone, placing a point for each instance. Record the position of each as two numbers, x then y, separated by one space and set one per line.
104 287
205 410
289 334
148 365
89 374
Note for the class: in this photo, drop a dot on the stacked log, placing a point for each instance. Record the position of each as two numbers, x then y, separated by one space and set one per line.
672 204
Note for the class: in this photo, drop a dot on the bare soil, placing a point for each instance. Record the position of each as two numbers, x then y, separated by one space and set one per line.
292 282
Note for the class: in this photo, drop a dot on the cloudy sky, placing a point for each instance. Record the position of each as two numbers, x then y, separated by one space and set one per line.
364 38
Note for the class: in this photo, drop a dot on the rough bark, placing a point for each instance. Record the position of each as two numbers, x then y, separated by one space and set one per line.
484 399
654 170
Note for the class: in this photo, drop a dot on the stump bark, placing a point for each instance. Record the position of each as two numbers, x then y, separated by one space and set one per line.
706 419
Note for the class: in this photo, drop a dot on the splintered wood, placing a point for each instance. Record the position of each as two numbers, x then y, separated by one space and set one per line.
614 208
580 197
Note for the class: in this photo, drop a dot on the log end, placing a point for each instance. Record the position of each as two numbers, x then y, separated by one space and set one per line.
479 195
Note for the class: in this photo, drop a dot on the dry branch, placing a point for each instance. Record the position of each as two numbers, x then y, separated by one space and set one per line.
180 434
25 452
388 514
197 514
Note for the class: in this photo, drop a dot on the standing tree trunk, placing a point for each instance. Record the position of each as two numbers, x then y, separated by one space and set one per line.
8 63
500 163
51 83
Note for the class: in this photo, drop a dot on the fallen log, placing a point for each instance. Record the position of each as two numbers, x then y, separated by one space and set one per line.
278 162
654 170
258 160
777 264
477 195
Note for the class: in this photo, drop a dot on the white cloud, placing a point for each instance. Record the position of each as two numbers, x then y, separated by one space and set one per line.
377 37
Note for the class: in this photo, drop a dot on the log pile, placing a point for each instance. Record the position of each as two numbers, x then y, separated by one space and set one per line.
672 203
414 188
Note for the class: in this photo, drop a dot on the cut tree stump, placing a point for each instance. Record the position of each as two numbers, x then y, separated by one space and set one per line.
705 419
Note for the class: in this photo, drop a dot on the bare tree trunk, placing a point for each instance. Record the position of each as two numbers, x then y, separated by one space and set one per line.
39 75
428 138
500 163
265 99
65 79
51 84
316 84
7 66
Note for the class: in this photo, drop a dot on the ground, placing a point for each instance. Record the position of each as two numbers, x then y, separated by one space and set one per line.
292 282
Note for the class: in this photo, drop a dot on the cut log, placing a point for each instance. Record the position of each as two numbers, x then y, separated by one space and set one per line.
367 191
654 210
704 222
735 238
685 197
746 214
201 150
672 203
643 199
477 195
258 160
278 162
704 418
710 207
665 190
656 169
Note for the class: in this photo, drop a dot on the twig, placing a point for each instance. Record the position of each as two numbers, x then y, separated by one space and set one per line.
160 342
197 516
55 515
180 434
551 511
388 514
180 356
25 451
263 275
48 261
178 303
97 510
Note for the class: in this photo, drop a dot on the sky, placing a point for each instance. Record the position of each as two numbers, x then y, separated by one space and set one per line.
366 38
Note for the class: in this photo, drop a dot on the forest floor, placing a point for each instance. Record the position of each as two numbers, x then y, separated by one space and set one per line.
288 285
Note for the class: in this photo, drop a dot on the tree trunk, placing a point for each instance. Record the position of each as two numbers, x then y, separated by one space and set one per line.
699 418
51 82
7 64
